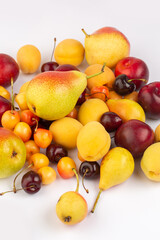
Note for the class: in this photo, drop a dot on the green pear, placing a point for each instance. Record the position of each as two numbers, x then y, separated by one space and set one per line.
53 95
12 153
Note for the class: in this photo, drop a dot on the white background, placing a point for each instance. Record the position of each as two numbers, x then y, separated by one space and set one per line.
129 211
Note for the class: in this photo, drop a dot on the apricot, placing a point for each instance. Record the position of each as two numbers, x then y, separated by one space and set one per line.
65 131
157 133
106 78
92 110
132 96
150 162
69 51
93 141
29 58
22 101
114 95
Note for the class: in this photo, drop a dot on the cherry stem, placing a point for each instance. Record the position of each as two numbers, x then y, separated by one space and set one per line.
35 130
87 191
75 172
14 182
53 49
90 94
96 74
12 96
143 80
2 193
95 204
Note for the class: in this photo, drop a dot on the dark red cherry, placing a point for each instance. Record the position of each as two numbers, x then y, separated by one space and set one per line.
55 152
111 121
90 169
123 86
67 67
31 182
49 66
81 98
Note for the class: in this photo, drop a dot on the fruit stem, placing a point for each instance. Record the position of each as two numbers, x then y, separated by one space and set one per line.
54 46
143 80
75 172
12 96
35 130
90 94
85 32
96 74
2 193
95 204
14 181
87 191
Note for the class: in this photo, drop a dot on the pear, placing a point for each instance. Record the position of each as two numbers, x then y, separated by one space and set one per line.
71 207
106 45
53 95
12 153
116 167
126 109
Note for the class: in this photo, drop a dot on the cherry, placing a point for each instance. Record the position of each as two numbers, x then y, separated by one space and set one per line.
50 66
90 169
31 182
123 85
81 98
55 152
44 123
67 67
111 121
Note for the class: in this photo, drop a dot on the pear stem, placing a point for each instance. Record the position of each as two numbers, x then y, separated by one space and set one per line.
87 191
14 182
143 80
75 172
85 32
54 46
95 204
96 74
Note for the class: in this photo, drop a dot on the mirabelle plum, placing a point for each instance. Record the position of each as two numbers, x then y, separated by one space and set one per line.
65 131
93 141
92 110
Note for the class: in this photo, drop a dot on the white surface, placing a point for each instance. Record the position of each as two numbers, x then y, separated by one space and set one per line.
129 211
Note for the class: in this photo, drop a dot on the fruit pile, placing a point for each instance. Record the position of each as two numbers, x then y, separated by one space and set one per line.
62 108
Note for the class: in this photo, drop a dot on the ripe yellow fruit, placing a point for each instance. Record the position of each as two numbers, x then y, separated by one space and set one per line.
92 110
157 133
4 93
21 101
107 78
93 141
65 131
24 87
69 51
29 58
150 162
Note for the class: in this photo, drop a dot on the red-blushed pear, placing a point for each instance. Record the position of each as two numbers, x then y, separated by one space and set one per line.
53 95
106 45
12 153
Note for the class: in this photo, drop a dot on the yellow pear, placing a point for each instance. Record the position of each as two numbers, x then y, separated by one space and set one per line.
116 167
126 109
106 45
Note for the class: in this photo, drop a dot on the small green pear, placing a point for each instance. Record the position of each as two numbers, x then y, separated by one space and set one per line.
116 167
71 207
53 95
